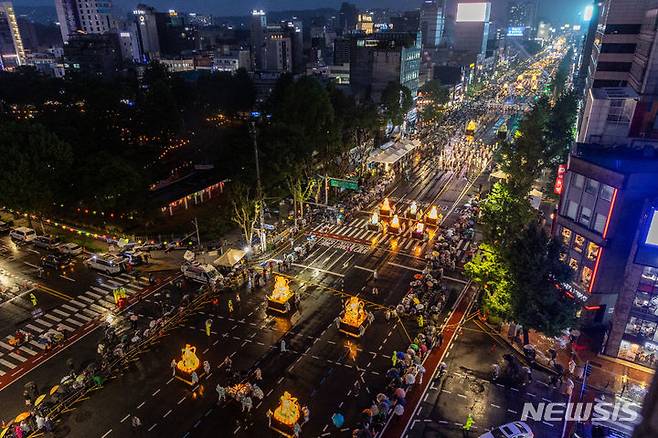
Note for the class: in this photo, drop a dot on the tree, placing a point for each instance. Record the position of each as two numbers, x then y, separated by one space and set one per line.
246 210
36 167
489 270
536 272
434 98
300 192
396 102
504 215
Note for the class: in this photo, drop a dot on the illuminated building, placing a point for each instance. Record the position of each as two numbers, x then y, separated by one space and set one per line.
471 29
12 53
431 23
364 24
604 221
522 15
87 16
257 35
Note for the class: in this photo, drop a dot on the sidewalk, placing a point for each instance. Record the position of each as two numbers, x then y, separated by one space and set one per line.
608 375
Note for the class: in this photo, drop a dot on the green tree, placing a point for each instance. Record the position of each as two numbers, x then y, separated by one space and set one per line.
489 270
504 215
396 102
535 270
246 210
434 97
36 166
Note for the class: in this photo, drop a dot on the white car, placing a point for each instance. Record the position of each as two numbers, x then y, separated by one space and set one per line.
23 234
72 249
516 429
206 274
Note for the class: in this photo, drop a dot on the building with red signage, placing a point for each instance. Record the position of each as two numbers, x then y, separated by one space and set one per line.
608 195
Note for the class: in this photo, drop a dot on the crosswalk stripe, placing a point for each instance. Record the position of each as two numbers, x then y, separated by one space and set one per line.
361 234
131 289
353 231
64 314
90 312
126 277
52 317
6 346
86 299
35 328
333 229
36 344
44 323
27 350
77 303
109 299
98 308
2 373
114 283
18 357
67 307
99 290
82 317
9 365
66 327
93 295
408 243
74 322
103 288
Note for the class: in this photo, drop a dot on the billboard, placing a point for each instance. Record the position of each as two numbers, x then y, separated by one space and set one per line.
472 12
652 234
515 31
559 180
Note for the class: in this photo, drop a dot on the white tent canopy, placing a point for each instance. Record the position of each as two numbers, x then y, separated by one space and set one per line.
392 152
230 258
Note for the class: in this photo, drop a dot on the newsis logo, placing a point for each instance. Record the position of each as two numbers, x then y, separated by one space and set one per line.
595 412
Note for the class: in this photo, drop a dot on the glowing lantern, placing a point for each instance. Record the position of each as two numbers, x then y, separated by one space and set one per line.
353 318
433 216
189 361
395 222
374 219
385 208
413 209
288 412
279 299
419 231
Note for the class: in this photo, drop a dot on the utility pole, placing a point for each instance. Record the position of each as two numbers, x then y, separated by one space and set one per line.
198 238
259 191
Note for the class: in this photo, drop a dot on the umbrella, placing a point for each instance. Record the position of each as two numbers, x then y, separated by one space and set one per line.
21 417
400 393
418 276
4 432
392 373
400 354
409 379
338 419
414 346
39 399
54 389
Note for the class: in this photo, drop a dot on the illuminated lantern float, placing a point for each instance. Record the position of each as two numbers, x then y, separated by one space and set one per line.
385 210
286 415
412 213
354 318
373 223
282 297
433 217
419 231
188 364
394 225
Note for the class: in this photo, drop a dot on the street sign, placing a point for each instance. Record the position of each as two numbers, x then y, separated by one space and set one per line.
344 183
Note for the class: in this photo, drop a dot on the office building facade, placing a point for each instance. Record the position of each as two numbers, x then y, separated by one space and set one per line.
12 52
86 16
431 23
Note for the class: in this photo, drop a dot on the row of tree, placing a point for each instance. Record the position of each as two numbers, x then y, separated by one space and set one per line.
518 265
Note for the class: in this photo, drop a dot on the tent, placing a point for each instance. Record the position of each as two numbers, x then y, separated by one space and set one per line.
230 258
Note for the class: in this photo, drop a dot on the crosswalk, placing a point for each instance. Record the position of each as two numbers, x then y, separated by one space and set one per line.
95 302
357 236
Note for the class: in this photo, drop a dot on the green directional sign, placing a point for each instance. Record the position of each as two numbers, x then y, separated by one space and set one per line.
344 183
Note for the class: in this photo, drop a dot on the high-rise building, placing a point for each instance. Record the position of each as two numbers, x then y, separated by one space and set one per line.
471 30
347 17
148 40
409 21
88 16
383 57
258 27
96 55
12 53
278 51
522 18
622 81
607 217
342 51
431 23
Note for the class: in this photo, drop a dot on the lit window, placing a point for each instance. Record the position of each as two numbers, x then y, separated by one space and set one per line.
592 186
606 192
586 276
585 216
579 243
573 264
566 236
599 223
592 251
572 210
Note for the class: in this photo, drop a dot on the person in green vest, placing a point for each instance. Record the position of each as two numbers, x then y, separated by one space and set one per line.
468 425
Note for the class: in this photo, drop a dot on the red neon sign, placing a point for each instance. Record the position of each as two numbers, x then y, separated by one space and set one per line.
596 271
559 180
612 207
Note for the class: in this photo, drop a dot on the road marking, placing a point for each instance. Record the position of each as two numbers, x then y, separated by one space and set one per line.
67 278
512 411
405 267
495 406
106 433
364 269
168 412
181 401
548 424
18 357
461 395
152 427
140 405
156 392
9 365
125 418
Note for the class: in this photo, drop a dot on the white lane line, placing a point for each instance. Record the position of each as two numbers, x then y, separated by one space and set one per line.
152 427
106 433
67 278
125 418
156 392
140 405
9 365
168 412
18 357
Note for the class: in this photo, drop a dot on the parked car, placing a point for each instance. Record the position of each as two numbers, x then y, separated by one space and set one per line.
107 263
515 429
135 258
206 274
23 234
72 249
56 261
4 227
46 242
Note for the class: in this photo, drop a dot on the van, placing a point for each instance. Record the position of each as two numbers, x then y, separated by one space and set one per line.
107 263
205 274
23 234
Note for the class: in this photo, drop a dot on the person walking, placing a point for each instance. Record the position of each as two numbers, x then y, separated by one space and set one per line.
468 425
195 378
206 367
394 358
258 375
230 306
221 393
173 368
283 346
136 423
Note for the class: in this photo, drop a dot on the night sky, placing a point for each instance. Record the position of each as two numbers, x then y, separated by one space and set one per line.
556 11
